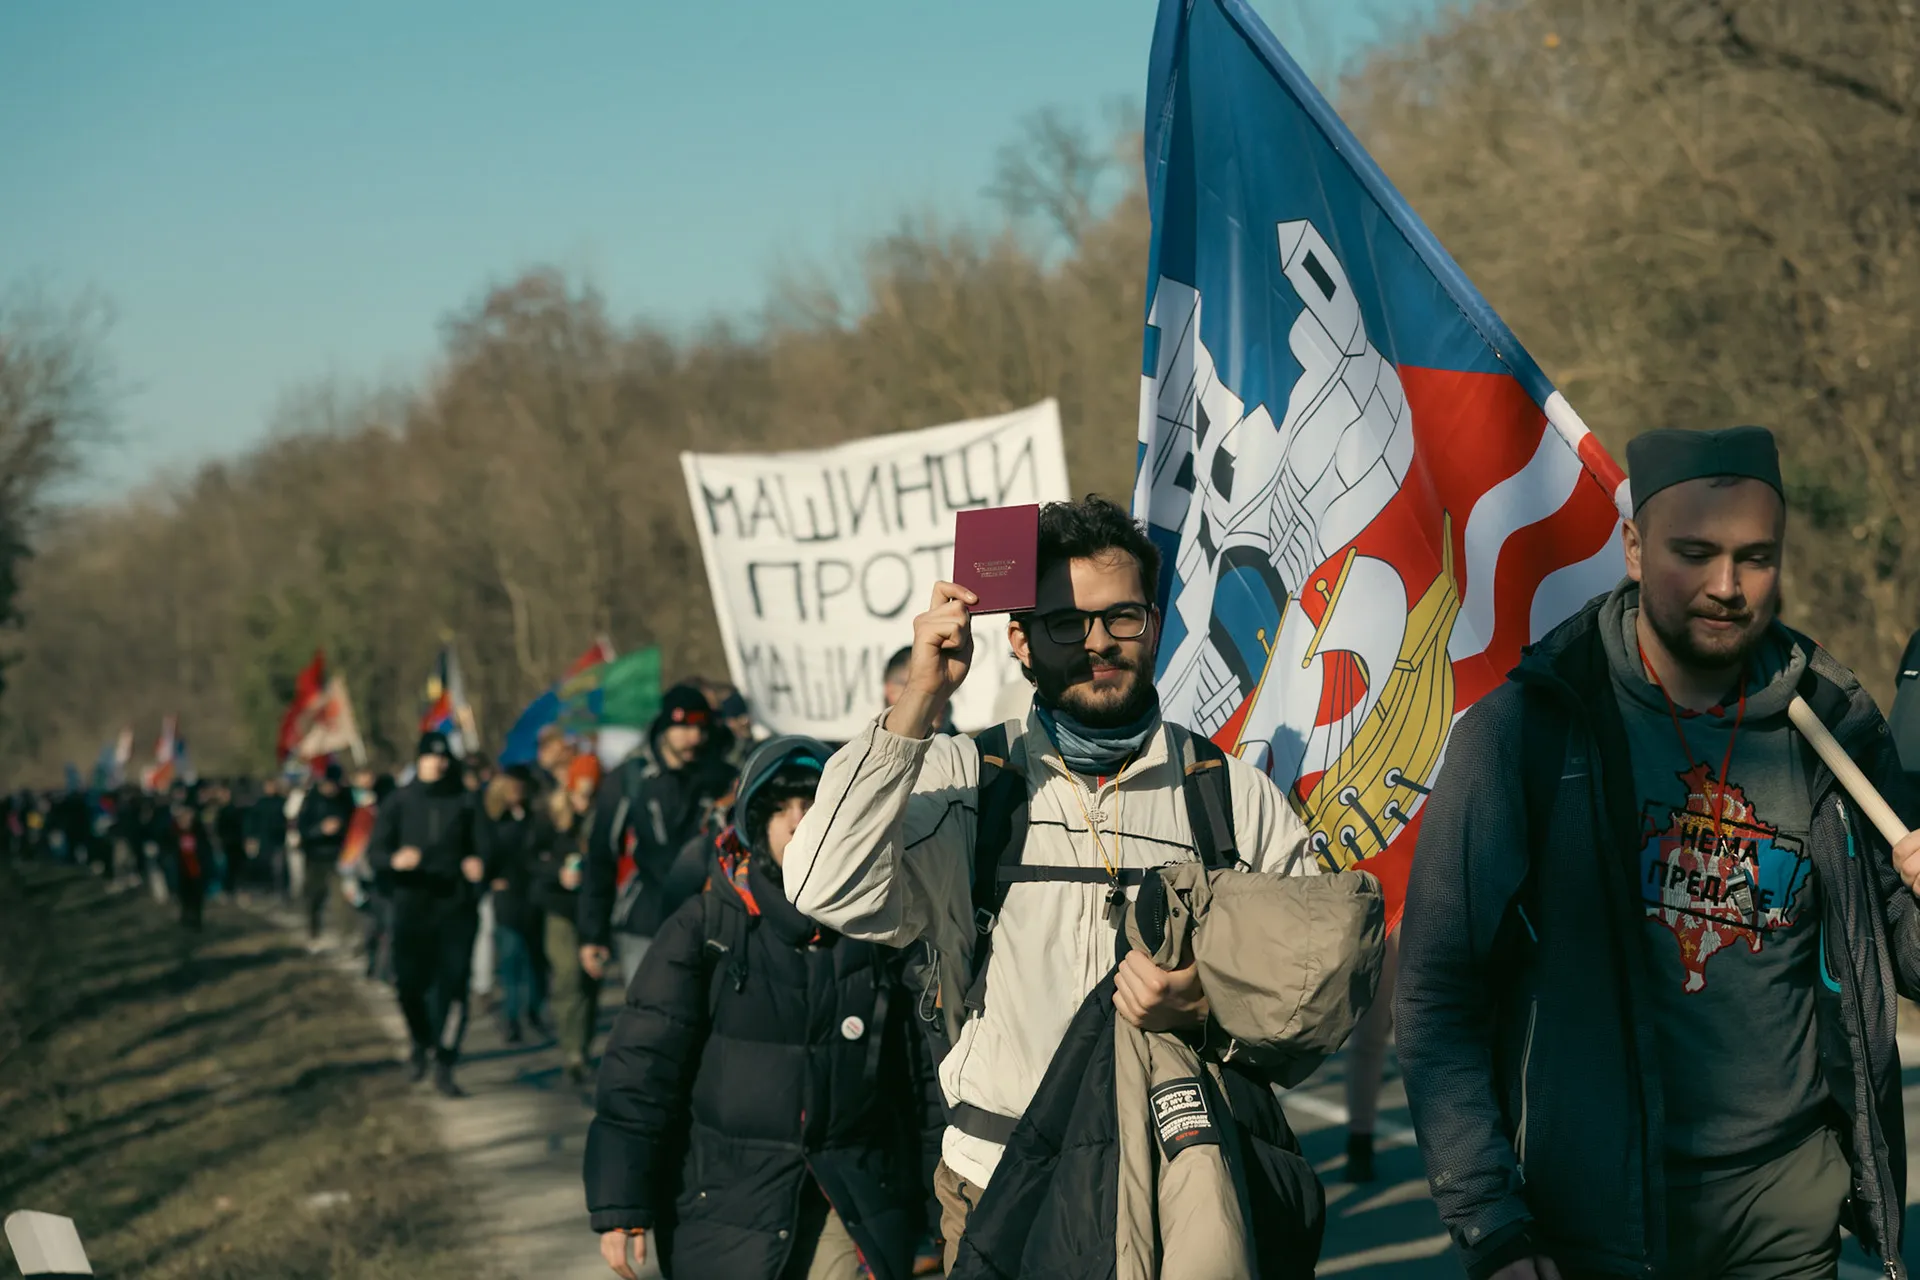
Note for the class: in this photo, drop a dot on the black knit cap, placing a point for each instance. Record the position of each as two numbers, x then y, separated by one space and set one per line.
684 704
1660 459
434 743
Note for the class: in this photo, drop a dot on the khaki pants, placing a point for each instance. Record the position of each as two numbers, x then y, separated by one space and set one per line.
822 1250
958 1199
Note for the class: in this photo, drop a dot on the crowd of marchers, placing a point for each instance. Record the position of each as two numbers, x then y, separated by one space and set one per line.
1020 1003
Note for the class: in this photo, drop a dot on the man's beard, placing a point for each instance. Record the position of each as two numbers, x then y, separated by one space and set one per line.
1113 707
1715 652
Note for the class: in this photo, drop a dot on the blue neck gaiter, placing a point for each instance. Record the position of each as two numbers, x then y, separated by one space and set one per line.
1095 752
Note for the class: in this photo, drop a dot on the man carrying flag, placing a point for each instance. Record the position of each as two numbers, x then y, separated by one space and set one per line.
1647 931
1626 1050
1611 964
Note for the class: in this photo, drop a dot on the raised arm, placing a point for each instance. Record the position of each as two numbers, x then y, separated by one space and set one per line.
886 851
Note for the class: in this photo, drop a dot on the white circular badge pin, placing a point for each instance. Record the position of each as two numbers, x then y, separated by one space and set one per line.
852 1027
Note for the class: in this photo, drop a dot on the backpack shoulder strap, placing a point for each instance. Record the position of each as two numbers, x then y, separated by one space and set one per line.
1203 780
1000 816
1000 825
724 953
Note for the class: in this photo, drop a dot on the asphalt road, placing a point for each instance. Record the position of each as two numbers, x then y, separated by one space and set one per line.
520 1135
1388 1229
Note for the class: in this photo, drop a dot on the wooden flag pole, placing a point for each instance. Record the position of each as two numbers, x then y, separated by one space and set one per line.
1863 792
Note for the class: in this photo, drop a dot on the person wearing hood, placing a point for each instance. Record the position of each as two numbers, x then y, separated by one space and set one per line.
762 1101
424 848
643 815
324 819
1651 947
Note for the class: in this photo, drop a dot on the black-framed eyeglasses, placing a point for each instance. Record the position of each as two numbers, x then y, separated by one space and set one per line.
1071 626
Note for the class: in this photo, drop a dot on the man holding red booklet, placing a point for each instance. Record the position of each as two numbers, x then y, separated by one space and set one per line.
895 847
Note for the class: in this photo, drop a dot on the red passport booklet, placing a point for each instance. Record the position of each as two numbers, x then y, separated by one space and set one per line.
995 551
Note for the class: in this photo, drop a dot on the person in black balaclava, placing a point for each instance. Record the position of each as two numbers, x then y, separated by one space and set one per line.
423 847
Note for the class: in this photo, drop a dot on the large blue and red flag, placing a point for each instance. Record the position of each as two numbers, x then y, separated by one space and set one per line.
1368 497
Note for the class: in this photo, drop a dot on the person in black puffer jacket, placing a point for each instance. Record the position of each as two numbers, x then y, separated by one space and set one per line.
423 848
762 1103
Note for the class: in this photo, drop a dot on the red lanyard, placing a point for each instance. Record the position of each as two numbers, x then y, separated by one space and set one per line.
1673 713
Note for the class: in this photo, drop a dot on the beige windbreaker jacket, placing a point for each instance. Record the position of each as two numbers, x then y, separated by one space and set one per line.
886 854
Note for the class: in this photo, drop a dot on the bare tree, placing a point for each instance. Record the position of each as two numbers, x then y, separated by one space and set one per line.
52 405
1695 212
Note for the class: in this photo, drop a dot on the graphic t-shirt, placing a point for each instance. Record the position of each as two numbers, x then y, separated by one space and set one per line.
1729 903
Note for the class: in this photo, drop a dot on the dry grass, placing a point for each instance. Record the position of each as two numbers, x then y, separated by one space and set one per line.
183 1099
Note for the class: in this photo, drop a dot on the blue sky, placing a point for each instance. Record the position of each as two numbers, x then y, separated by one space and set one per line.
273 194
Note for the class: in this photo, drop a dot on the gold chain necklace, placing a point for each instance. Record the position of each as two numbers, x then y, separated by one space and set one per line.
1110 863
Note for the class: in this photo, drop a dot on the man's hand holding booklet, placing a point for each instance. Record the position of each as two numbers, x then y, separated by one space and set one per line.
995 554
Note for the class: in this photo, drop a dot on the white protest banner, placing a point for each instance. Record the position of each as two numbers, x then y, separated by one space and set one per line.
819 559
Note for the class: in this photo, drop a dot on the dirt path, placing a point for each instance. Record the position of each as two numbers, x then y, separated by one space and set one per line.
516 1139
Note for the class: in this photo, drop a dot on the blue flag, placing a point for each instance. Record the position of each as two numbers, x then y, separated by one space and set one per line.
1367 496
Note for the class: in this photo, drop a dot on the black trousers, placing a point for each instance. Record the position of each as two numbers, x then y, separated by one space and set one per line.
432 968
379 937
318 888
192 892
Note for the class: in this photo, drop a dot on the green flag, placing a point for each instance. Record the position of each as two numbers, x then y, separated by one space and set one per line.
630 689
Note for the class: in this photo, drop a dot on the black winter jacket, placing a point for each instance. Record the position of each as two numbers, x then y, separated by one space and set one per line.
651 813
438 820
1521 1019
506 846
733 1076
317 845
267 823
551 847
